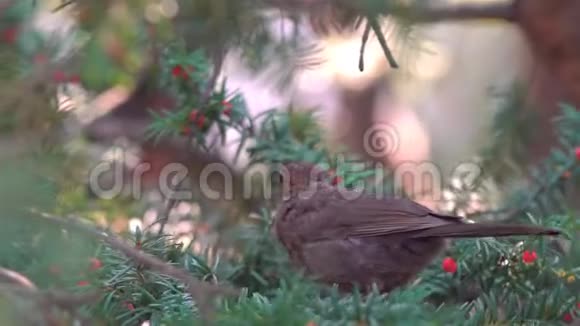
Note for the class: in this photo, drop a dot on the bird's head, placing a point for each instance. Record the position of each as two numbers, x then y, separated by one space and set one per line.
300 176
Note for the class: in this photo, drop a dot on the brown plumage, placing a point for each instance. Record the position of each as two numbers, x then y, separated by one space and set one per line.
342 237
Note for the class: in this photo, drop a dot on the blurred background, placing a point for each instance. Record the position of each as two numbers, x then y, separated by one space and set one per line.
479 87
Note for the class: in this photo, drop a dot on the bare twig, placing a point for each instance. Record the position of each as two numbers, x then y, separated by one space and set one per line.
7 275
201 292
376 27
16 284
365 38
164 215
218 60
420 14
63 5
469 11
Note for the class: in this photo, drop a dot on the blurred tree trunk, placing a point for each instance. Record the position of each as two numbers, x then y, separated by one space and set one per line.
554 36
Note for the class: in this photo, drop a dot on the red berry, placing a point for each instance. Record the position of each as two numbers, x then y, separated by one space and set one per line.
186 131
9 35
227 104
75 79
193 116
529 257
178 71
336 180
449 265
578 305
200 121
227 112
566 174
95 264
567 317
129 306
577 151
59 76
138 244
83 283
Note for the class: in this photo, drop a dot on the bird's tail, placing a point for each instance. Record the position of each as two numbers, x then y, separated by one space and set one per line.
473 230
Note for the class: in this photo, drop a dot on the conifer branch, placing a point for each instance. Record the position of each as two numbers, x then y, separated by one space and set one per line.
218 59
201 292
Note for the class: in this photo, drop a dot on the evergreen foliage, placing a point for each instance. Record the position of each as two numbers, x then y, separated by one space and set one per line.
498 281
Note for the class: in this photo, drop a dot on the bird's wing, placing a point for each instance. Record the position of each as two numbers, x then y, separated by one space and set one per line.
366 216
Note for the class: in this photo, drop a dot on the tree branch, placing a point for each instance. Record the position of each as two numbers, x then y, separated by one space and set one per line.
218 59
47 300
10 276
200 291
365 38
498 11
418 14
376 27
63 300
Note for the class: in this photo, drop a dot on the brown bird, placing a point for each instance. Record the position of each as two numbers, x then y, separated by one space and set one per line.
344 237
